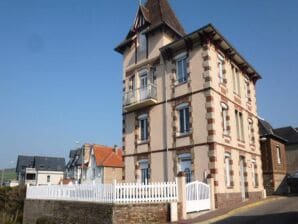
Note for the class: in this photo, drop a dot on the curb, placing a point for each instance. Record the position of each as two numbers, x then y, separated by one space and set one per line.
241 209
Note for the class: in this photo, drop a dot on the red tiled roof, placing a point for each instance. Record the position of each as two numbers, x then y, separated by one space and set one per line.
106 156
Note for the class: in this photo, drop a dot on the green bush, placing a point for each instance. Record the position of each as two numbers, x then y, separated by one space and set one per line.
12 204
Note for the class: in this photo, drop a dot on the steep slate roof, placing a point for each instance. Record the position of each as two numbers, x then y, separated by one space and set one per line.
40 163
265 129
156 13
24 162
159 12
289 133
106 156
49 163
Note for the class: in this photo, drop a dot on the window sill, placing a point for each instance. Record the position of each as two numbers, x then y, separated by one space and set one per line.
176 84
239 140
143 142
226 135
181 135
223 85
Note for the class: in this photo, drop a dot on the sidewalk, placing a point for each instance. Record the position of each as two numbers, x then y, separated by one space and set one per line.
219 214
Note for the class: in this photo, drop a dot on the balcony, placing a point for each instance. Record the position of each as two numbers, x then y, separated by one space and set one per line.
139 98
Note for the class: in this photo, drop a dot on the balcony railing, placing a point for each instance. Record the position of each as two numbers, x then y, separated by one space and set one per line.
140 97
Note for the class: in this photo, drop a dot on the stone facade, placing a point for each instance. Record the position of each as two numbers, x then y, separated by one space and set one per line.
274 164
209 136
65 212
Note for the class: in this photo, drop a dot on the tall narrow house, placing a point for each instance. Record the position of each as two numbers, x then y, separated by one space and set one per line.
189 105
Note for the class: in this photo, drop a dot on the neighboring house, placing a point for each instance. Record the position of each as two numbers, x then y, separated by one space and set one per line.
39 170
102 164
75 169
189 105
273 159
105 165
291 135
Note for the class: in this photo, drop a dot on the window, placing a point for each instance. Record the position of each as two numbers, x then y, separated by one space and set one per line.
228 169
236 81
153 70
143 126
143 79
143 92
251 131
142 42
247 90
239 125
30 176
254 173
144 167
132 83
141 47
48 179
278 155
220 65
181 68
183 112
224 114
184 165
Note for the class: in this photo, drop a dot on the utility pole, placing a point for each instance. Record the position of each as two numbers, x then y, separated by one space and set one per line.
2 177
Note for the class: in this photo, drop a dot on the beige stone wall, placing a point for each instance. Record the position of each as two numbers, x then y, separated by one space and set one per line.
55 177
110 174
207 143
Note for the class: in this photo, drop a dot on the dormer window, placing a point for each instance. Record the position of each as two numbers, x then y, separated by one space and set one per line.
142 42
141 47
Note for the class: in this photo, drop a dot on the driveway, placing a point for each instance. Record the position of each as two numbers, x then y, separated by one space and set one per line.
279 211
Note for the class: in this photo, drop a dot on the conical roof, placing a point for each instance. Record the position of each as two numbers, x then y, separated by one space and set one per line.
156 13
159 12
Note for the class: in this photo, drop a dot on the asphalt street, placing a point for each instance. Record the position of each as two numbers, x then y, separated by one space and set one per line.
280 211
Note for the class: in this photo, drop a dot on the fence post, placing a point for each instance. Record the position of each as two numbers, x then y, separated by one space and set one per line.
114 191
210 182
181 184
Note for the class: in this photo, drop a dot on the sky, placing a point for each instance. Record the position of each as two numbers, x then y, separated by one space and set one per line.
60 79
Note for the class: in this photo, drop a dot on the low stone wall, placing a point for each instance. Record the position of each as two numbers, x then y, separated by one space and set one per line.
224 200
66 212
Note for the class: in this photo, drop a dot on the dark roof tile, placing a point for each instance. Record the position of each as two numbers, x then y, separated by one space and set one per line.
288 133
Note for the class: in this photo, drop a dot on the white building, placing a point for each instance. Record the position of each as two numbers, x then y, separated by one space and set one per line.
38 170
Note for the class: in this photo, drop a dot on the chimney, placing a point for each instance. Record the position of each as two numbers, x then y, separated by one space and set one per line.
115 149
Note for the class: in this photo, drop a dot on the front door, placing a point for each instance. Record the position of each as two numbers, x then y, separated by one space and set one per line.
242 184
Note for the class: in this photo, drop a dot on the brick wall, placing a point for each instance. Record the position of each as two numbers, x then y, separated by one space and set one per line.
56 212
225 200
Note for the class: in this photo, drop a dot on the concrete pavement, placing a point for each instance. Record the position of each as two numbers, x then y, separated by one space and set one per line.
284 210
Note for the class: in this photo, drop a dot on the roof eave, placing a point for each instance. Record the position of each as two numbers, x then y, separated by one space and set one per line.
213 33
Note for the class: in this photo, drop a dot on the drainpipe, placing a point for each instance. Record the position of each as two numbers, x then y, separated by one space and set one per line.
165 121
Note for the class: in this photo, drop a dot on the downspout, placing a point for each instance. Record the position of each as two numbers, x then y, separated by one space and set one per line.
166 164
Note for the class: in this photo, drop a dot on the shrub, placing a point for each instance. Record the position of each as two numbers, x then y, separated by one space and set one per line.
12 204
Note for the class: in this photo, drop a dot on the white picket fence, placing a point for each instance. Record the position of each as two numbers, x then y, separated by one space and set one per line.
124 193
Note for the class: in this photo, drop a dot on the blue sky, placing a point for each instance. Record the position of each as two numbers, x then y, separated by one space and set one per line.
61 80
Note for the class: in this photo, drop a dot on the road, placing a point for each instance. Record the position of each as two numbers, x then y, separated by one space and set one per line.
282 211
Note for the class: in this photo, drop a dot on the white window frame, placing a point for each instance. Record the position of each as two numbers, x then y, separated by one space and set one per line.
254 177
228 179
250 132
224 114
247 89
220 65
143 118
278 154
184 76
181 158
143 75
144 166
179 108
